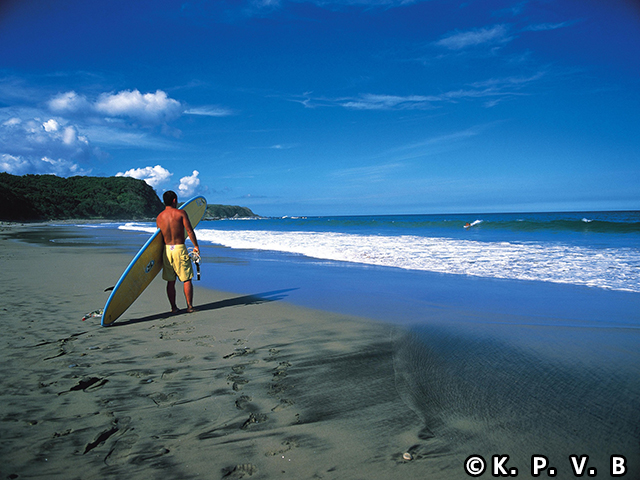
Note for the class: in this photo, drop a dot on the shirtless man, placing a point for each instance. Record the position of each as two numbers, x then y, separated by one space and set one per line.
173 224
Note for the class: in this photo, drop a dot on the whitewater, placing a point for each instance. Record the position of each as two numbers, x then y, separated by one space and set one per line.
599 250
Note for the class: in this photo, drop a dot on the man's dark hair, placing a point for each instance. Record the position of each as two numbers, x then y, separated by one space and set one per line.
169 196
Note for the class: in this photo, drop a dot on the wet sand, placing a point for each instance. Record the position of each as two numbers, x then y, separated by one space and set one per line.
248 386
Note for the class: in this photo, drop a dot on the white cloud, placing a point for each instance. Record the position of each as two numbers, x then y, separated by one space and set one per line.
56 139
189 185
149 108
496 89
111 136
387 102
542 27
472 38
62 167
69 102
153 108
154 176
209 111
12 164
412 102
43 147
70 136
19 165
509 81
12 122
51 126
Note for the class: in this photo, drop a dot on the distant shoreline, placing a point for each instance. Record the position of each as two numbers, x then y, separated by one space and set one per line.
81 221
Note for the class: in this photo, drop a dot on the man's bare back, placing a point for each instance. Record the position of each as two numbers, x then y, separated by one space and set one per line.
173 224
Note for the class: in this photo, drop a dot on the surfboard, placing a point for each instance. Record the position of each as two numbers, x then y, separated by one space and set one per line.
144 267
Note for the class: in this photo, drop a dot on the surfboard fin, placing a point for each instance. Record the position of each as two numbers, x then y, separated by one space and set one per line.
108 289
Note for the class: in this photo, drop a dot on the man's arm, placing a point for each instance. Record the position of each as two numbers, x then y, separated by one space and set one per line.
190 232
161 224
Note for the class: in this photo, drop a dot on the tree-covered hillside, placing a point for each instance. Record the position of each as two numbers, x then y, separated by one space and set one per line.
48 197
215 212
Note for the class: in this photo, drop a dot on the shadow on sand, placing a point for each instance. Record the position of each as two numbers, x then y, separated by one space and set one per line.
255 299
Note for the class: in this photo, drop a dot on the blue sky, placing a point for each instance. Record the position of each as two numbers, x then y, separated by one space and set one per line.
324 107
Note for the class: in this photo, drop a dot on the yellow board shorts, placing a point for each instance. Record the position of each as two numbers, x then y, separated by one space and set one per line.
176 262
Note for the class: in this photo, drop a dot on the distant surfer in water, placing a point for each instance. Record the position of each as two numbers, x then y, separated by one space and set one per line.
473 224
173 224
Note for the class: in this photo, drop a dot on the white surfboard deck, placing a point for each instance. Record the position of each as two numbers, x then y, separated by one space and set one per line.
144 267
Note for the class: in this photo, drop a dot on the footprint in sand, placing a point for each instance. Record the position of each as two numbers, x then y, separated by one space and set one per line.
164 355
287 444
101 438
139 373
146 456
239 352
281 370
254 418
284 403
164 400
243 402
236 381
277 387
89 384
239 471
121 450
273 355
169 374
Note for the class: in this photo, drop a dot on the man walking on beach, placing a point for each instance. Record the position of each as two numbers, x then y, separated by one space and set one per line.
173 224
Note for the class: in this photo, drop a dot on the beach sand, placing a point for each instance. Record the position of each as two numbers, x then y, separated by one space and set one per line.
252 386
247 387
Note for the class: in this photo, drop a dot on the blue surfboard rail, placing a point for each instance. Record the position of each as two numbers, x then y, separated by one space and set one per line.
125 273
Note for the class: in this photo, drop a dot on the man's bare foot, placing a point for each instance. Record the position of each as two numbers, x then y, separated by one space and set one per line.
175 310
191 310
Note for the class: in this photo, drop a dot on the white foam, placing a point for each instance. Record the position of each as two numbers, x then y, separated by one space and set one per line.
617 269
138 227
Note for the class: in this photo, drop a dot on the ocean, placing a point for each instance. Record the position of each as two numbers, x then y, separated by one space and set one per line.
596 249
593 249
520 333
377 266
